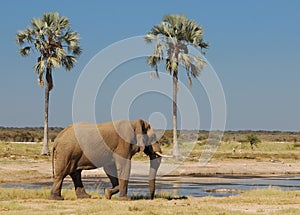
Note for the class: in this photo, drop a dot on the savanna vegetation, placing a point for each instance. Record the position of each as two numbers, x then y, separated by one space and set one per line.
235 144
268 201
35 134
27 134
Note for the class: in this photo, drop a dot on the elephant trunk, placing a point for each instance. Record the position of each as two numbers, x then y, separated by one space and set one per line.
154 165
155 160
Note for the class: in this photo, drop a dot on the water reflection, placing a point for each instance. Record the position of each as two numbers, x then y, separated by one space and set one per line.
183 186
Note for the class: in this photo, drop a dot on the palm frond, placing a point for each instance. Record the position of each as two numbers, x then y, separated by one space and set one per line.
168 30
196 66
203 46
168 66
190 79
40 46
185 60
40 79
60 52
68 62
39 67
25 51
151 37
174 66
153 60
24 36
64 23
76 50
158 29
199 62
174 19
70 37
183 47
51 18
37 24
52 62
20 37
72 40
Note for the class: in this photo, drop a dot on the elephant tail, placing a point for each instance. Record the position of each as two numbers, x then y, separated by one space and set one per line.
53 155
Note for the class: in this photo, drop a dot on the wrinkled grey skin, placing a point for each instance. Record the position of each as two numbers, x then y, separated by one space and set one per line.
111 145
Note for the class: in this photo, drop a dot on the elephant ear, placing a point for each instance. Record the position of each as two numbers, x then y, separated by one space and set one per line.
125 130
141 128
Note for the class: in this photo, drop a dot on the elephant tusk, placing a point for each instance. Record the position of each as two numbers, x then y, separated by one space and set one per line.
163 156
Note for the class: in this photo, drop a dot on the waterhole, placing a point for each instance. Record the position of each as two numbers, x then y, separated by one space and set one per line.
181 186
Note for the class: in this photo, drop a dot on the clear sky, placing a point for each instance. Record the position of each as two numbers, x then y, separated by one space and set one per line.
254 49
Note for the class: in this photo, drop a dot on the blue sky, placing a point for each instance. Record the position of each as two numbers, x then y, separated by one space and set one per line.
254 49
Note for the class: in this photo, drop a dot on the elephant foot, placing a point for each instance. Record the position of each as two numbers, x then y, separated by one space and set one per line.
81 194
107 193
124 198
56 197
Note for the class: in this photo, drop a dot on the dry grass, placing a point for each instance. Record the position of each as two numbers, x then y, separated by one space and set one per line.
21 151
263 151
288 151
268 201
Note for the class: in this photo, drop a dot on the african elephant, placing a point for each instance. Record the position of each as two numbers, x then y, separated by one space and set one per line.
111 145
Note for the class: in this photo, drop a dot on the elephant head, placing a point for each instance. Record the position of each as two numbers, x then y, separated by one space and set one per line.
147 141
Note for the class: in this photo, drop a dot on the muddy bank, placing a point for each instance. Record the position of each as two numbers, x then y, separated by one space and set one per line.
24 170
240 167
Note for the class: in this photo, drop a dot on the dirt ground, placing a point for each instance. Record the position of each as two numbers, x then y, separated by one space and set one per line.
33 168
240 167
37 171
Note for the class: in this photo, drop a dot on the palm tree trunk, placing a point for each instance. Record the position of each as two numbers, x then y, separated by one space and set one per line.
176 152
45 150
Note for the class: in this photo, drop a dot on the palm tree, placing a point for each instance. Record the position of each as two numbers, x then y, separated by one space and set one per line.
173 36
57 46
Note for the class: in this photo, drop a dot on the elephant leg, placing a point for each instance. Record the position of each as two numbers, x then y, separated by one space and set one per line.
60 172
79 189
56 188
111 172
123 168
61 168
123 187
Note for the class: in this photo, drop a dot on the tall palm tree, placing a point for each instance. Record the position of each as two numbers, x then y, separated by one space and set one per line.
57 46
173 36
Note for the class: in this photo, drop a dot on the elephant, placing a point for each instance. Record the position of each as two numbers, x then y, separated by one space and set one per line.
111 145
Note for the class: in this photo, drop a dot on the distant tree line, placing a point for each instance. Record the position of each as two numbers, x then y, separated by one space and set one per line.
239 136
271 136
35 134
27 134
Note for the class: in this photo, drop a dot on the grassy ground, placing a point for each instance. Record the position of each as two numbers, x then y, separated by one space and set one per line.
225 151
288 151
21 151
269 201
236 151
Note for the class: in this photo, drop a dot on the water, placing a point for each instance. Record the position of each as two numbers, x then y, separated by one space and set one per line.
182 186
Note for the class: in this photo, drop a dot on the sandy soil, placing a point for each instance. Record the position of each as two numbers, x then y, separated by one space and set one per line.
215 167
240 167
37 171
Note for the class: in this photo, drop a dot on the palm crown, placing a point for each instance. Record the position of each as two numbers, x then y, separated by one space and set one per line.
52 37
173 36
